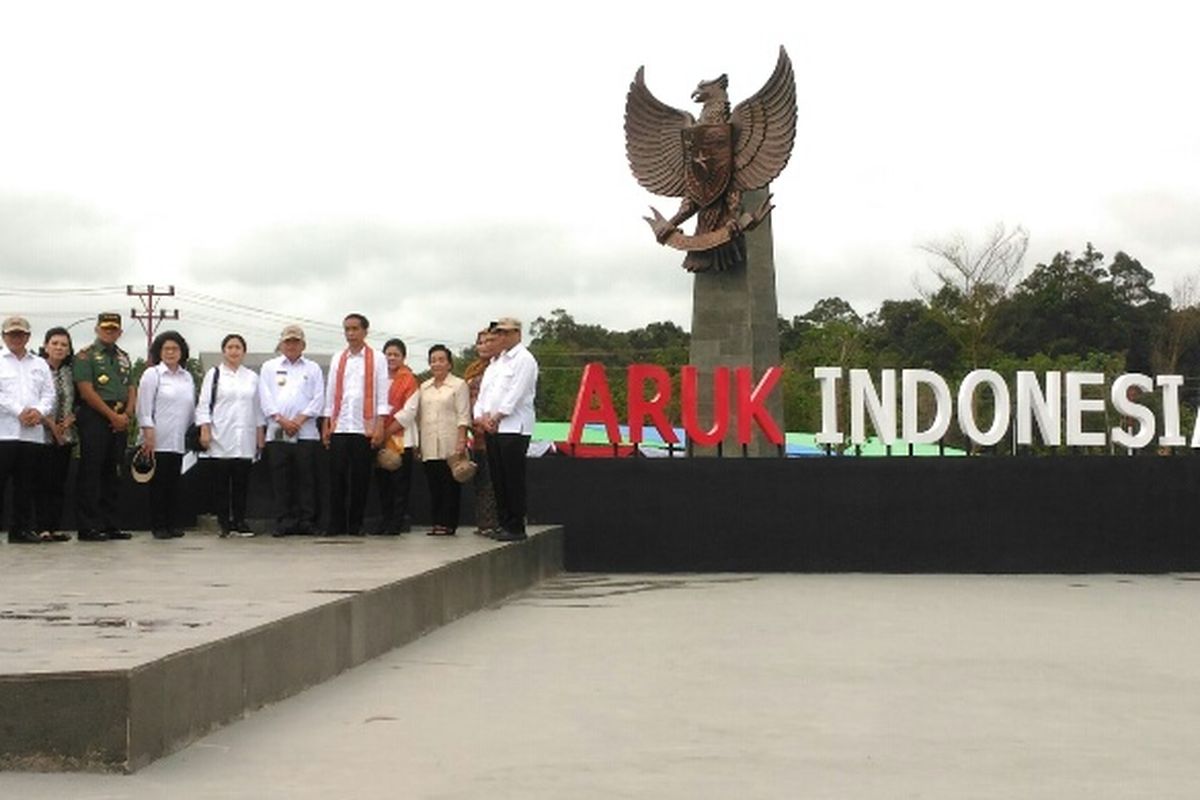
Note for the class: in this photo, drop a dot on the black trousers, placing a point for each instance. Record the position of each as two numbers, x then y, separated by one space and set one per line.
293 481
394 489
19 461
165 498
349 475
98 488
231 485
506 461
445 493
52 485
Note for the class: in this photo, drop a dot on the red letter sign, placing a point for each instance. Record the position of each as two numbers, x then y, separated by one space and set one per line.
689 396
594 386
750 405
654 407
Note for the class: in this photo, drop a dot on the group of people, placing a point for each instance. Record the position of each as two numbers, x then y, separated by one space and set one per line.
368 411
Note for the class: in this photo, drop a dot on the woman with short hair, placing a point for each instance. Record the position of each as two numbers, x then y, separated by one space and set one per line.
58 352
486 521
232 432
166 406
443 416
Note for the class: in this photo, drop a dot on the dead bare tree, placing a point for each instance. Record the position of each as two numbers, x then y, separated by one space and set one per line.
1182 327
973 280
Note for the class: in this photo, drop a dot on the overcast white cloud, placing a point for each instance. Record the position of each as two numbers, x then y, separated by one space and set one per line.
436 166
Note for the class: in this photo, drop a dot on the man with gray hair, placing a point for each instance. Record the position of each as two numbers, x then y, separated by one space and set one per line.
291 392
504 410
26 396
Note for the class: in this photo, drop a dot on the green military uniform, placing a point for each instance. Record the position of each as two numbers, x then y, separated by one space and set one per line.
108 369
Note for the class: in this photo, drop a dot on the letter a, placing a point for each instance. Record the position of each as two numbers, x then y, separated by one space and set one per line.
593 386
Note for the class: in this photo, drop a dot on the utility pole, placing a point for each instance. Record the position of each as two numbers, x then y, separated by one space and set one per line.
149 317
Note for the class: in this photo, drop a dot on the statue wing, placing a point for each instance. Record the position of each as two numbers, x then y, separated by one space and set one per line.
653 140
765 129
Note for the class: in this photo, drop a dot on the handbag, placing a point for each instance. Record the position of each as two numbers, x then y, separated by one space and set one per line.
191 437
462 468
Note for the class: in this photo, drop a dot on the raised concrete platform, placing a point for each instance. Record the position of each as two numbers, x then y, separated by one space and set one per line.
114 654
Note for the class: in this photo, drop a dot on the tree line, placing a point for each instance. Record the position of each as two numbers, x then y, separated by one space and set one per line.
1077 311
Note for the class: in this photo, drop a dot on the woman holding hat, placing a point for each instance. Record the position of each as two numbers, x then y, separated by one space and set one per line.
232 432
443 416
393 470
166 406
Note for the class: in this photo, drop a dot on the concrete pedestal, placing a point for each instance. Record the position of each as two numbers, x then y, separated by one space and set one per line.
115 654
735 323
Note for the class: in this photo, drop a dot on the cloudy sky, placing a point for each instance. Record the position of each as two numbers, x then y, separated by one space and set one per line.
437 165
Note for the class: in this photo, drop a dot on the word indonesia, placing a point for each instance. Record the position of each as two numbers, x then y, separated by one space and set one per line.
1038 404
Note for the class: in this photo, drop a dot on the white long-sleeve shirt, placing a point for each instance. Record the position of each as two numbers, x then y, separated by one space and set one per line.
407 417
508 388
235 416
350 413
25 382
289 389
166 402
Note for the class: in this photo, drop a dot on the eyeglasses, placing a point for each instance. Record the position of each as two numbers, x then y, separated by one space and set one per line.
16 333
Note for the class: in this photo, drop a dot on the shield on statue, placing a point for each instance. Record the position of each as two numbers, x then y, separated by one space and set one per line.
708 153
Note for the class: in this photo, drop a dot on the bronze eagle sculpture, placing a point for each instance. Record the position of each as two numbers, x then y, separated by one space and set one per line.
710 162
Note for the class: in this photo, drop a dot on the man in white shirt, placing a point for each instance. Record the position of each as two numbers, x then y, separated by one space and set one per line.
291 393
356 407
26 395
504 409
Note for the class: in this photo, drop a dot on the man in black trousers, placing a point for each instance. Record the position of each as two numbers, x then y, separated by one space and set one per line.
104 386
505 411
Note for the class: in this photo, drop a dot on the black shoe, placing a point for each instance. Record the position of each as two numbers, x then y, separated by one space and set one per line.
114 535
161 534
24 537
504 535
55 536
93 536
176 533
241 526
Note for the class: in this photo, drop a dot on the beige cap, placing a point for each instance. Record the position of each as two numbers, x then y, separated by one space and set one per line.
291 332
507 324
15 324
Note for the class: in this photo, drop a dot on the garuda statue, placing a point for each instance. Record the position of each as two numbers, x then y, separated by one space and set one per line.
710 162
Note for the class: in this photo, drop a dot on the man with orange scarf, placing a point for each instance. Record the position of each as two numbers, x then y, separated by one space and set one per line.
356 402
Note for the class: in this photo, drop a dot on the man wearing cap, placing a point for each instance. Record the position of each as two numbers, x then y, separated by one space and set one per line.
504 410
356 410
107 396
291 391
26 395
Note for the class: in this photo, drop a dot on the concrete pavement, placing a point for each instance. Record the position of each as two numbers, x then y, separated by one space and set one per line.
687 686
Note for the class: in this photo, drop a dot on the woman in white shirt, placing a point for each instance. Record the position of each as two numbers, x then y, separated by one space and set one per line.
166 405
443 416
232 432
